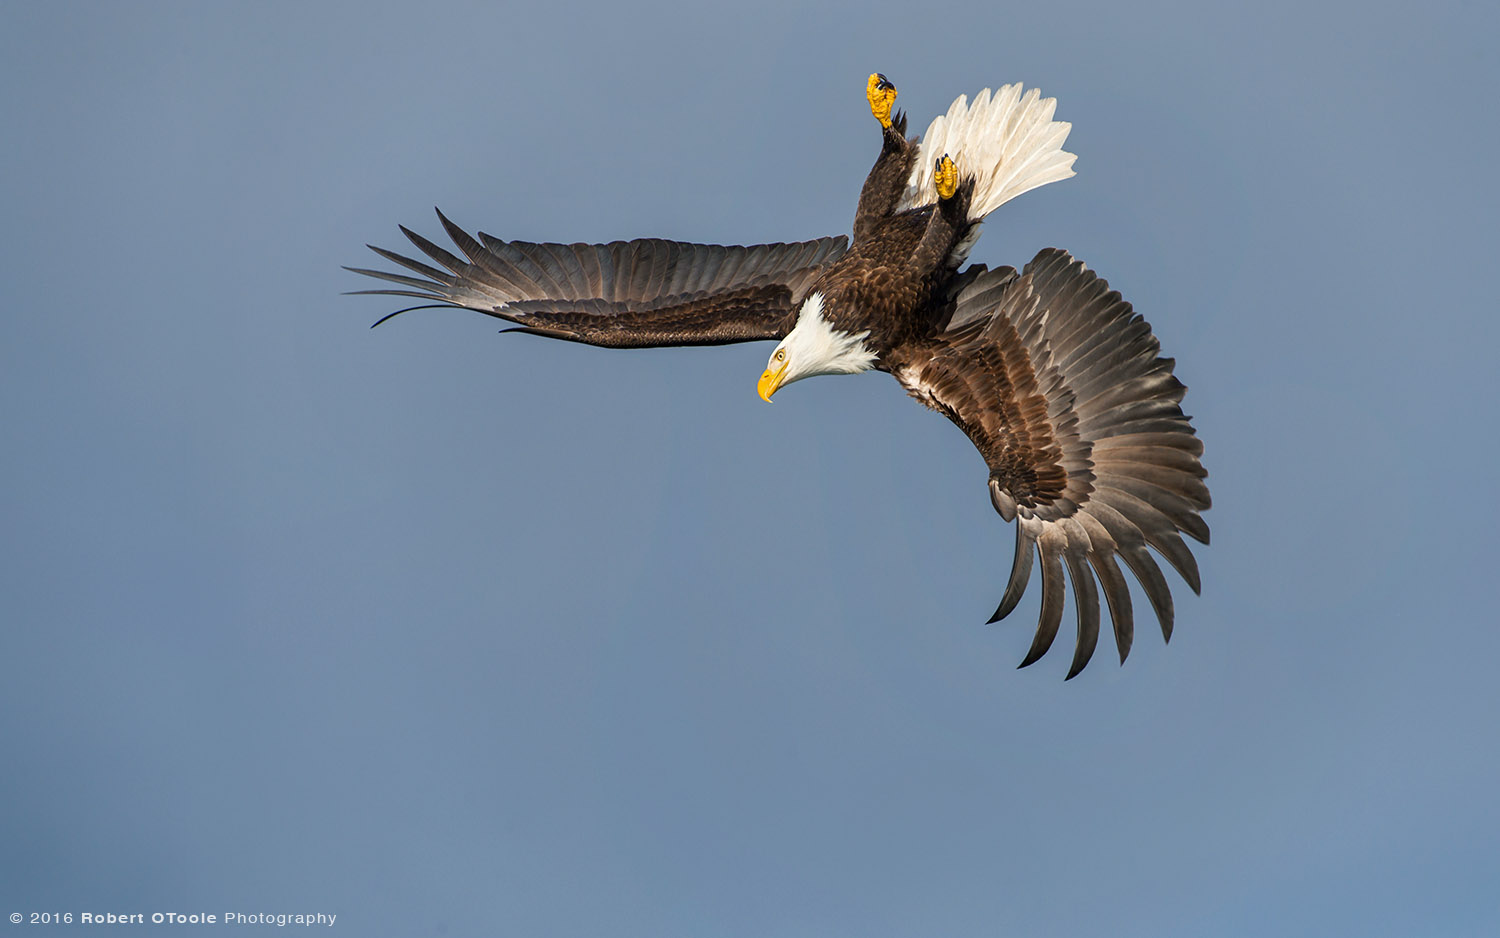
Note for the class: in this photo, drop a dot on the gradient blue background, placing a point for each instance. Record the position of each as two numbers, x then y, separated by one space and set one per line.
448 632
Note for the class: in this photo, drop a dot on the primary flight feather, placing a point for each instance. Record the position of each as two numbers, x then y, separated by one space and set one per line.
1053 377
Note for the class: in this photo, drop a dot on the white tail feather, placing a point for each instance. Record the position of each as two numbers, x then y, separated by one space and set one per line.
1008 142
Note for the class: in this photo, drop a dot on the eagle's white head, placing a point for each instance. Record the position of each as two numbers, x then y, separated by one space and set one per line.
815 347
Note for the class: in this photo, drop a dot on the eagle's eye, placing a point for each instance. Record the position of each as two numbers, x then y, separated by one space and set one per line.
781 355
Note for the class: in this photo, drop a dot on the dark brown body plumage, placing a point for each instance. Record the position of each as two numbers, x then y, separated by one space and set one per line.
895 280
1051 374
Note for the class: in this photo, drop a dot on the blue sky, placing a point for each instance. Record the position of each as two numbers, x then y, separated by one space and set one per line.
454 633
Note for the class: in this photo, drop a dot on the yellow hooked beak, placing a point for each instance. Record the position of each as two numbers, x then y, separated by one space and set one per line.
770 380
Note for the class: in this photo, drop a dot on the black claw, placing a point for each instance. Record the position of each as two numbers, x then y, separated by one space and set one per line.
883 83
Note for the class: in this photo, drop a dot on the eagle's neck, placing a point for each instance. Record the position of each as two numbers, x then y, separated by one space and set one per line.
816 347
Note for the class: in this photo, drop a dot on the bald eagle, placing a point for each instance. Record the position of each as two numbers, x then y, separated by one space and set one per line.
1052 376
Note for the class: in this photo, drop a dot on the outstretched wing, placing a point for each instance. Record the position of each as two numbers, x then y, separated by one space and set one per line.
1059 385
627 294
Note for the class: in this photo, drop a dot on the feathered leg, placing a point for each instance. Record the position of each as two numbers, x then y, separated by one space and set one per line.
949 220
886 183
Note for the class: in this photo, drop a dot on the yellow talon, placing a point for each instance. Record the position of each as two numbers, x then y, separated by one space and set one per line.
945 177
881 93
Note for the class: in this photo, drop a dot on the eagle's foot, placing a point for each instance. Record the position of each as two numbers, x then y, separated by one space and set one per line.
882 94
945 177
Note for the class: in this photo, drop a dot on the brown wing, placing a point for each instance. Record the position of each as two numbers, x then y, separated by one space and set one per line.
627 294
1059 385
